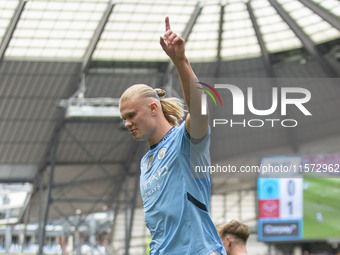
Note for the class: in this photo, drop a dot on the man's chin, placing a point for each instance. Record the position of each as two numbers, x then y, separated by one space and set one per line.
139 139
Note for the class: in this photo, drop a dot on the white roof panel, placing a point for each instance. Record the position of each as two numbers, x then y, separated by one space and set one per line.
55 29
312 24
134 28
276 33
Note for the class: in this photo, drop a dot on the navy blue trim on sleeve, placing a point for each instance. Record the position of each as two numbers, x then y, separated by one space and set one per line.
196 202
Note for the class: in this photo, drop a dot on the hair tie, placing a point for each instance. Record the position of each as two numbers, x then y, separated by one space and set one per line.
160 92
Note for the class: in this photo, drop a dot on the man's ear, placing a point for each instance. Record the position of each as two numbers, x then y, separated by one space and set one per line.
229 240
153 107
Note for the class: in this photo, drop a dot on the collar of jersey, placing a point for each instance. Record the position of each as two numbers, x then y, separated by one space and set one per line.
165 137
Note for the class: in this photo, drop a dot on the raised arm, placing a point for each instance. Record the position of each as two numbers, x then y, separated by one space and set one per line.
174 46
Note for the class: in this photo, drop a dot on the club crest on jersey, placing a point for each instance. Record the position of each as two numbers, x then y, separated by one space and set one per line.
161 153
150 161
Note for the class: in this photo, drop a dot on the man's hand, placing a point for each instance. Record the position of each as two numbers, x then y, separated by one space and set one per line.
172 44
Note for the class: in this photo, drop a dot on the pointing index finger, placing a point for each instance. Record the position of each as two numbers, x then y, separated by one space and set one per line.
167 23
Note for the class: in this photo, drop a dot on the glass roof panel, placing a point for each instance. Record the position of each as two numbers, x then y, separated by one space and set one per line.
56 29
276 33
312 24
134 27
330 5
7 8
239 38
203 40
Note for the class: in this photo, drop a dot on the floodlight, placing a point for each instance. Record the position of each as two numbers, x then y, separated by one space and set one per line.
85 111
91 108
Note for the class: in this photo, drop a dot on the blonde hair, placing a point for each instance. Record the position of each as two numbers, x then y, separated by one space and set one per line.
235 228
171 107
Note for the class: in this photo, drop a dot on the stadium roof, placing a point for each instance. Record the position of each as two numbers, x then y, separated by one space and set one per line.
62 30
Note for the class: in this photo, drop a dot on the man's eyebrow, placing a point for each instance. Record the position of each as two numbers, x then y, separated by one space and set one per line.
128 113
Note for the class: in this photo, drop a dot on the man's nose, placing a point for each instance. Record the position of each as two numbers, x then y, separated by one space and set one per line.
127 123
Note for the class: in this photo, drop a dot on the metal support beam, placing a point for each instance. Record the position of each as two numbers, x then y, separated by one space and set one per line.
90 50
45 160
219 44
94 41
96 162
66 217
187 31
49 191
21 241
131 201
77 240
25 207
108 190
132 212
92 226
11 28
40 216
193 18
265 54
306 41
118 202
323 13
127 234
26 217
290 133
113 226
8 232
87 151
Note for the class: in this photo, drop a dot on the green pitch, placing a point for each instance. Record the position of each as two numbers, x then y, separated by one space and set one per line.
321 208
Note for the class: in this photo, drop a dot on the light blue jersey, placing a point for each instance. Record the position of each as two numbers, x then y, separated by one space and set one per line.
176 205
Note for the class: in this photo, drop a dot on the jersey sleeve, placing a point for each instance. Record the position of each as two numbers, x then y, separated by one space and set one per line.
197 144
197 152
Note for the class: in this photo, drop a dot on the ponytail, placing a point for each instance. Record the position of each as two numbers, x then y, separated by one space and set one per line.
172 107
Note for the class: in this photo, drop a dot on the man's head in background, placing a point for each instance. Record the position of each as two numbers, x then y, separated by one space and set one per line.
234 236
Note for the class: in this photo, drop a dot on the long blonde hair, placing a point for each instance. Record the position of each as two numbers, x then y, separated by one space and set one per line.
172 107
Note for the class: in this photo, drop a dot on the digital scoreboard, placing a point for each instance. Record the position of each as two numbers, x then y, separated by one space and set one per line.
296 203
